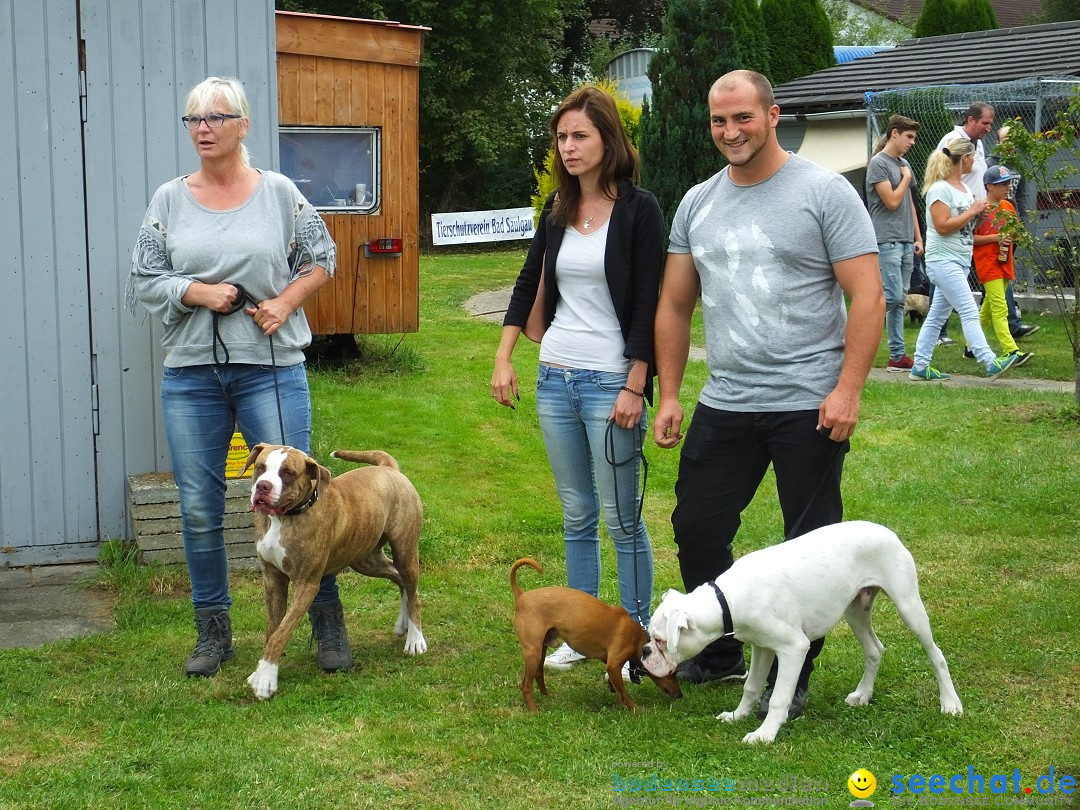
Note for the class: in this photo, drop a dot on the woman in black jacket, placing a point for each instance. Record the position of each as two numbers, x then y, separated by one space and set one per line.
589 285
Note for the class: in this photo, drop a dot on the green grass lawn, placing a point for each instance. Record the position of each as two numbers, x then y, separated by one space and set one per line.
981 483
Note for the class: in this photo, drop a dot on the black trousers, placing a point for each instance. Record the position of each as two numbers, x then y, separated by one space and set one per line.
724 458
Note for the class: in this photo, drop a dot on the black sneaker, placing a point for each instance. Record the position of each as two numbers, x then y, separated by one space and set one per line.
798 703
969 354
1025 330
1022 357
693 671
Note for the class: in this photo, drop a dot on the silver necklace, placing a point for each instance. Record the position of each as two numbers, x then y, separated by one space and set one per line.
588 222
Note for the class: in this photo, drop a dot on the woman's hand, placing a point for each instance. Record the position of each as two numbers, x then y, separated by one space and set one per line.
216 297
504 384
627 410
271 314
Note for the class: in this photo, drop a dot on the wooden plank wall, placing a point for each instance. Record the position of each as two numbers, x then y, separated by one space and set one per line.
345 72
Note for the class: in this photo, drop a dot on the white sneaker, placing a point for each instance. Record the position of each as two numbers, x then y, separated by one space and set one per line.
563 658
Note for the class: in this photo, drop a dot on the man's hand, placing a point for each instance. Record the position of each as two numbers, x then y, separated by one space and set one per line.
667 425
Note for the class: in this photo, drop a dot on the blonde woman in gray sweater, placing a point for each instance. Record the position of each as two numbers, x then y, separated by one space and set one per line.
225 258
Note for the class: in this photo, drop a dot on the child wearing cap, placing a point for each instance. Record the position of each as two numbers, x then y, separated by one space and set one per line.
993 254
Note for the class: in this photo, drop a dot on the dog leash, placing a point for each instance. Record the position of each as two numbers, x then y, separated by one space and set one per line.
639 453
824 431
243 298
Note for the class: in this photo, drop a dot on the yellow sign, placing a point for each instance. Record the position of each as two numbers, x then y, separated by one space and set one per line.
238 453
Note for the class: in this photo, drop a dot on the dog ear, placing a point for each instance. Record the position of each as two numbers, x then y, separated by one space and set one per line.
678 622
254 454
317 472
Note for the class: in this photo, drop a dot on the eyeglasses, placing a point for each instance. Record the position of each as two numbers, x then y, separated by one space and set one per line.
213 120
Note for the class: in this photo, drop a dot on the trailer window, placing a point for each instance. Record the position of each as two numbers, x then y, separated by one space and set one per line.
335 168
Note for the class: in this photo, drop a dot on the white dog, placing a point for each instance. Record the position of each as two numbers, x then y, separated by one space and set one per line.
780 598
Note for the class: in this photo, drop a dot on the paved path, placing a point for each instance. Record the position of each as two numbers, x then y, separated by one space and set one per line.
491 306
48 603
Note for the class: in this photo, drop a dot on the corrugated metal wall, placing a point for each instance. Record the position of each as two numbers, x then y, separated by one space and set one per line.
47 488
66 342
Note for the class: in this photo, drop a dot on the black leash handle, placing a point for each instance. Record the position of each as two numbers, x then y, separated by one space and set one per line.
243 298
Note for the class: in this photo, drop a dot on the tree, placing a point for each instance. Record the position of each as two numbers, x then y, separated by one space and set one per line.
955 17
852 26
977 15
937 17
702 40
1060 10
1048 161
800 38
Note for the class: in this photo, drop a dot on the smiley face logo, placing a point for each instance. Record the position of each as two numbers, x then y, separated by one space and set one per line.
862 784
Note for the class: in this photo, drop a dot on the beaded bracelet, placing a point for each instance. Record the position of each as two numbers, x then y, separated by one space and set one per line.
635 393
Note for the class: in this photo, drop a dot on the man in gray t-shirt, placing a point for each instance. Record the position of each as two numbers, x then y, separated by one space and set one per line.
772 244
889 184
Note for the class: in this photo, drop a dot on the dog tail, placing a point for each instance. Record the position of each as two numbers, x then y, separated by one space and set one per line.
376 458
514 587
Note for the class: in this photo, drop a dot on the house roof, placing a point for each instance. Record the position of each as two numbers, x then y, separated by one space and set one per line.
1009 13
978 57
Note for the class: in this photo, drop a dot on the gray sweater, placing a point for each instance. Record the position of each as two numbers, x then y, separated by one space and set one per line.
263 245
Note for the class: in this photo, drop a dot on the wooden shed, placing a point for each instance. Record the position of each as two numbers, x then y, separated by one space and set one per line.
348 114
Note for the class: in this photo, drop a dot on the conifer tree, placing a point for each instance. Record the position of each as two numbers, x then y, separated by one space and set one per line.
800 38
702 40
940 17
976 15
937 17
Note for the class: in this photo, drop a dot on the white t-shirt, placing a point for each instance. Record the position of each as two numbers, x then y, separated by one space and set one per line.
774 312
958 245
585 333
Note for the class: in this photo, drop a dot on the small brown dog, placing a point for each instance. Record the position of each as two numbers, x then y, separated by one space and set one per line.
593 628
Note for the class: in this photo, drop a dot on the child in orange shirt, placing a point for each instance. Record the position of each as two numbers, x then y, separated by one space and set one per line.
994 260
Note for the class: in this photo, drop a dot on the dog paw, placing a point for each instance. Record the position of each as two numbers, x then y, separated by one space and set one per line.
951 707
857 698
759 736
735 716
263 680
415 644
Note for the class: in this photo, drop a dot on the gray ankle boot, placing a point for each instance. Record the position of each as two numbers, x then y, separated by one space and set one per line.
328 629
214 644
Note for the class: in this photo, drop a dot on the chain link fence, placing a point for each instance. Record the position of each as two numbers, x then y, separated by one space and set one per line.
939 108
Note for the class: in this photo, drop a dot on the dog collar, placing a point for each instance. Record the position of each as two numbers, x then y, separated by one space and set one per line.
729 629
298 510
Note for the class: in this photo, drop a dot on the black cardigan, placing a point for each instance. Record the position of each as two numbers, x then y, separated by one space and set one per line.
633 260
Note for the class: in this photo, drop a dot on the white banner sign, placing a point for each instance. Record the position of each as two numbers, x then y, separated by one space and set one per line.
467 227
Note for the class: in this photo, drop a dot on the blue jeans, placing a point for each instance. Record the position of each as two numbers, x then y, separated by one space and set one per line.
597 467
896 260
953 292
202 406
